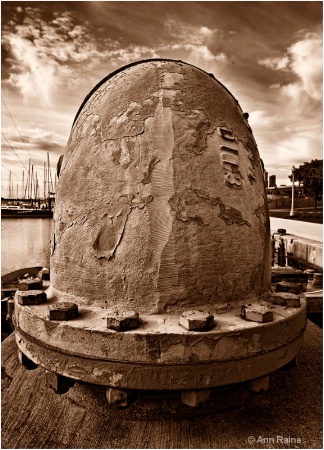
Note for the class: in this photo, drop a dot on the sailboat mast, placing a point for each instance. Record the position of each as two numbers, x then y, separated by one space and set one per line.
48 173
9 193
28 181
23 185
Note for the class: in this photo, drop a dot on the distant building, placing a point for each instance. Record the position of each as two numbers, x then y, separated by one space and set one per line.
272 181
266 179
284 191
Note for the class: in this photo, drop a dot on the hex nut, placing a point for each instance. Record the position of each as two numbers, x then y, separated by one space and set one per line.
122 321
196 397
58 383
31 297
196 320
286 299
318 280
25 361
63 311
310 274
44 274
291 365
261 384
292 288
30 284
257 313
119 398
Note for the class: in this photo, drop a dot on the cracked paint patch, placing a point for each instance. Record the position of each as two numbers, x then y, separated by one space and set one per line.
191 129
112 228
131 121
113 224
184 206
232 216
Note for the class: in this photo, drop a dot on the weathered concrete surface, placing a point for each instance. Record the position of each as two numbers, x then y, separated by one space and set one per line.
160 186
160 353
34 417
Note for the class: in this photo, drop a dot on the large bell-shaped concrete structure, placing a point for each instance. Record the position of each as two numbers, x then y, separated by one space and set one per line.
160 267
161 203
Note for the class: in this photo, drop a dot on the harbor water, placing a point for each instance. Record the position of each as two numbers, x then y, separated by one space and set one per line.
25 243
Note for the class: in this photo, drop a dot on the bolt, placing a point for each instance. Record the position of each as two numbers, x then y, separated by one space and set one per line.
119 398
197 320
318 280
286 299
122 321
58 383
63 311
291 365
31 297
261 384
292 288
310 274
256 313
196 397
30 284
10 311
25 361
44 274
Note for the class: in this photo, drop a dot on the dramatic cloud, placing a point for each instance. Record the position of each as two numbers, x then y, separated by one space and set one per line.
54 53
194 42
304 60
275 63
260 118
188 33
43 55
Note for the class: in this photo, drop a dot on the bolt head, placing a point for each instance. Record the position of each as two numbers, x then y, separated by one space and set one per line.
30 284
292 288
58 383
258 385
63 311
118 398
257 313
25 361
195 398
286 299
123 320
44 274
31 297
196 320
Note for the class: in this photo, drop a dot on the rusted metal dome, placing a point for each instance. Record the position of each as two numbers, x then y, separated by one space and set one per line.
161 203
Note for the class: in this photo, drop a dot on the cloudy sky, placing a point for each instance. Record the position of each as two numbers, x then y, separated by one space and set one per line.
268 54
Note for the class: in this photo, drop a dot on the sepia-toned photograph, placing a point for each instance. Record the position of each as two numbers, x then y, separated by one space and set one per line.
161 224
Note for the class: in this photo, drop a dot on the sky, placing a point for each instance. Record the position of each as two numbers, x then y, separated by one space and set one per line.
268 54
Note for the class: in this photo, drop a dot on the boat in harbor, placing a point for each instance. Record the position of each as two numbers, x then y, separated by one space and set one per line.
21 212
